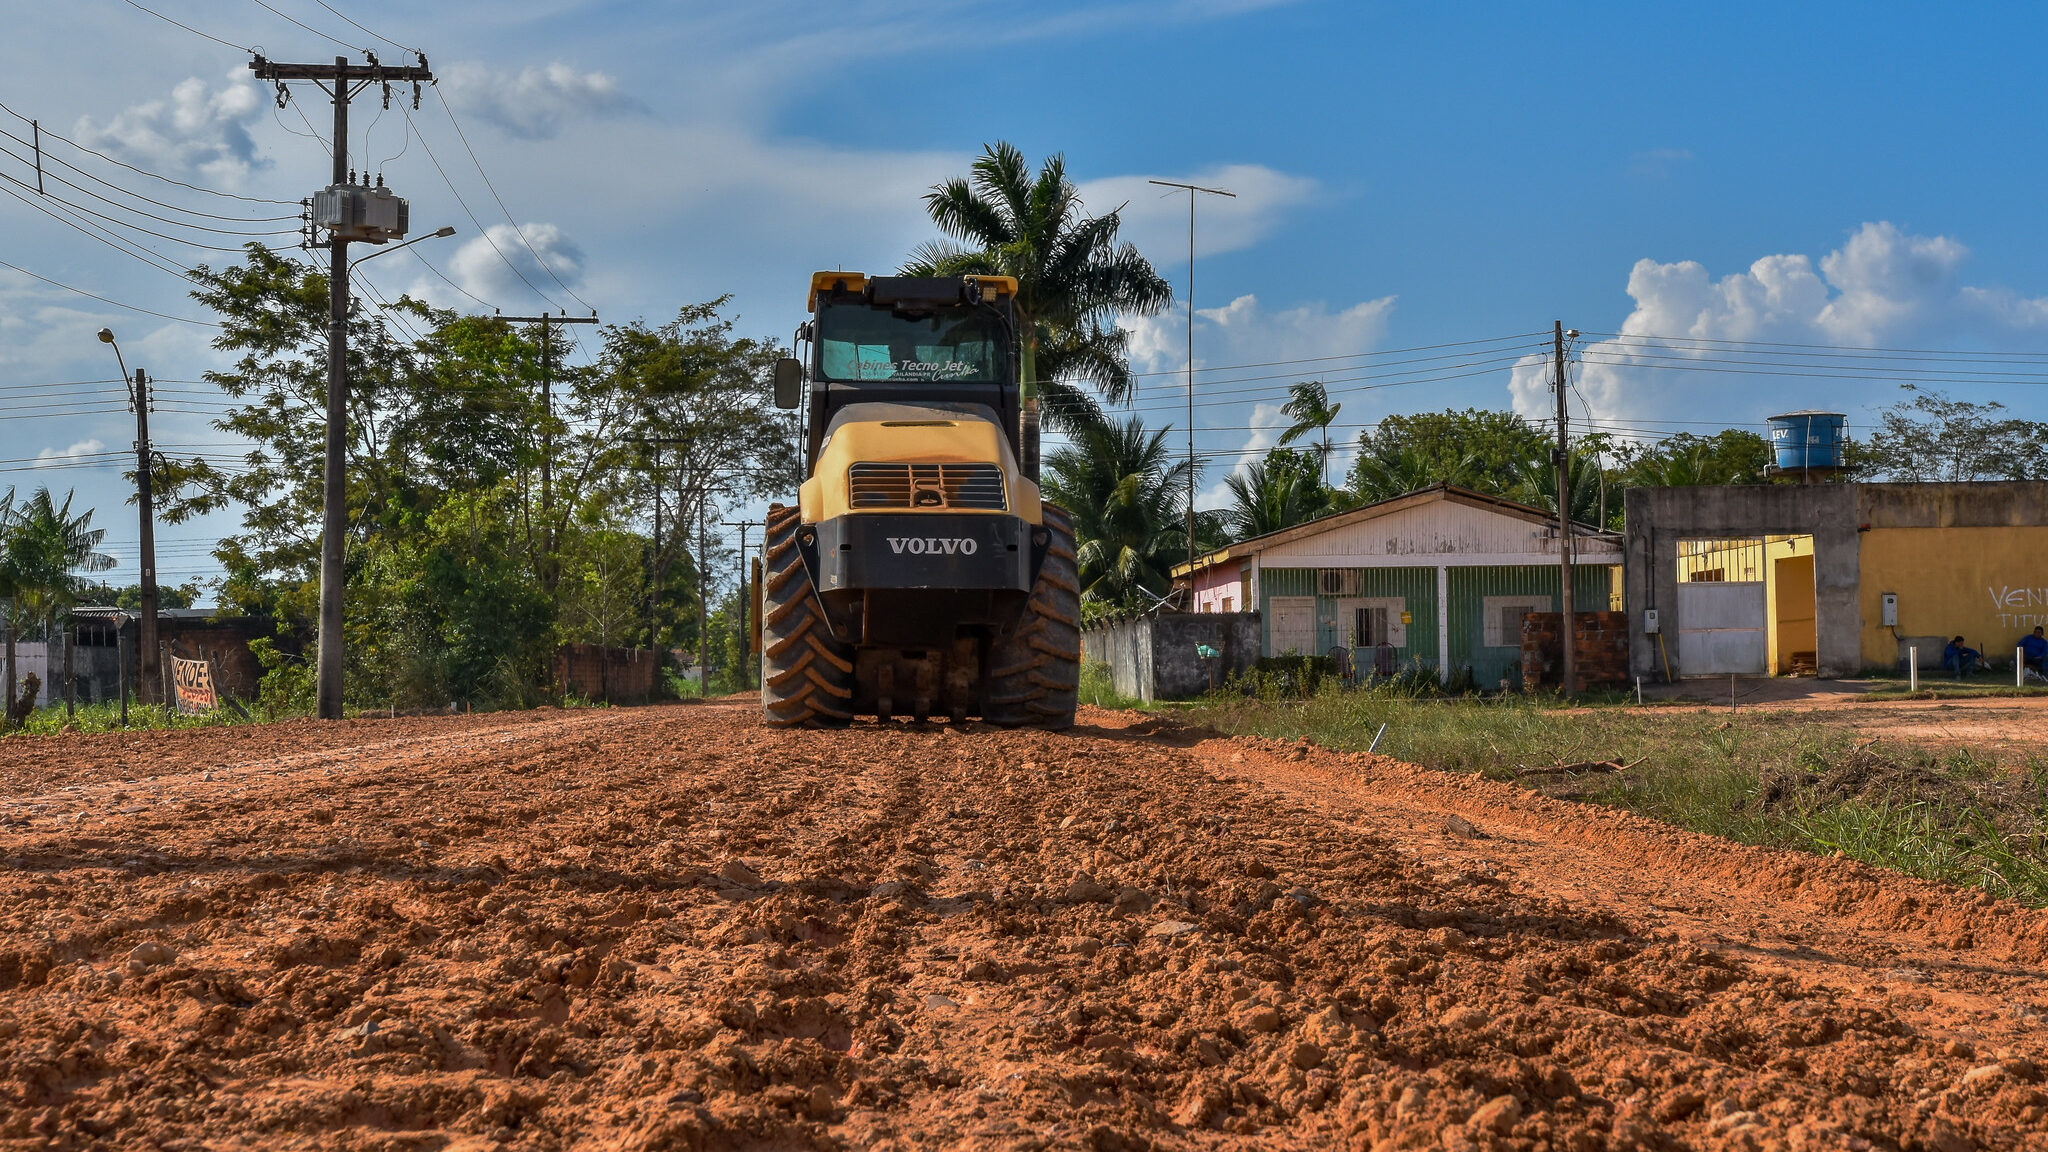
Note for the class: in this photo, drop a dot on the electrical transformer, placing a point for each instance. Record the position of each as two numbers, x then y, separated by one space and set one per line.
360 214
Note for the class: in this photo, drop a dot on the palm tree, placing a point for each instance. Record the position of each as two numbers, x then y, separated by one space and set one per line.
1536 484
1309 407
1125 490
46 548
1073 278
1385 471
1277 492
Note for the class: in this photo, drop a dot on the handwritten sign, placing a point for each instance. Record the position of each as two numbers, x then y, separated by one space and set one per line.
194 682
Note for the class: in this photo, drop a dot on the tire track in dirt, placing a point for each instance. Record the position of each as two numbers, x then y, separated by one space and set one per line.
673 928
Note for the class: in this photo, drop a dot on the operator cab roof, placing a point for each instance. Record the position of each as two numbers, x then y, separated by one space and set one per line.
911 291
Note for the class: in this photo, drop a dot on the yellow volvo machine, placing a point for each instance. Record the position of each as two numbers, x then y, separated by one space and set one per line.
919 573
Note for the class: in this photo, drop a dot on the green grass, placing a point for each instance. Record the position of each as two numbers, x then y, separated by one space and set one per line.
1775 779
1098 687
50 721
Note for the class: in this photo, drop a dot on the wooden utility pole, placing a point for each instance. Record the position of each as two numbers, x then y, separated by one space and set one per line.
341 81
1566 617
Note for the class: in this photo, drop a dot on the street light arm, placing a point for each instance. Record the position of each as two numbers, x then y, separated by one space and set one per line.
444 230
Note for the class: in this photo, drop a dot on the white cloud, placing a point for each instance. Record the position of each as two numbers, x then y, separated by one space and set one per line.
198 131
534 102
492 266
1156 218
1882 287
1266 424
81 448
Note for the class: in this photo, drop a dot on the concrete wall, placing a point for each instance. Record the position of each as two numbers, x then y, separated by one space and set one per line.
1948 550
1154 657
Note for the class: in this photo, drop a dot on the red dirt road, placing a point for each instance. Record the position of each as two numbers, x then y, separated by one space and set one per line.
671 928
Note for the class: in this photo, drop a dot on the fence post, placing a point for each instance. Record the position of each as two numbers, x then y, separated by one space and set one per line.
70 681
1913 667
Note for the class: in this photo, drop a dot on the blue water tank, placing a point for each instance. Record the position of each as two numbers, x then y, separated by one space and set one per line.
1809 441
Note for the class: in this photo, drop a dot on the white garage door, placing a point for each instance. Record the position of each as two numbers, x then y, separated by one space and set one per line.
1721 629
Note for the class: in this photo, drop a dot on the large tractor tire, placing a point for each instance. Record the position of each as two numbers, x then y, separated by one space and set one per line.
806 676
1034 675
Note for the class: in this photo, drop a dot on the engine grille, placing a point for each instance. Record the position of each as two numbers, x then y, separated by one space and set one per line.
927 486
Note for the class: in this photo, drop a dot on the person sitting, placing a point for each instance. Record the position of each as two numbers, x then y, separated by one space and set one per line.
1960 658
2034 651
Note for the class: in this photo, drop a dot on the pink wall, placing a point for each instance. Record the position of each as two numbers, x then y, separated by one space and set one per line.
1219 588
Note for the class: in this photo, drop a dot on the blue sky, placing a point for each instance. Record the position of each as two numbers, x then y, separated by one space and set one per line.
1816 175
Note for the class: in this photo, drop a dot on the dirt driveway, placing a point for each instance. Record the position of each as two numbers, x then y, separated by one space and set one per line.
671 928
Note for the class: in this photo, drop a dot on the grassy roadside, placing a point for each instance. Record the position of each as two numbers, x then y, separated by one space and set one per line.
1768 778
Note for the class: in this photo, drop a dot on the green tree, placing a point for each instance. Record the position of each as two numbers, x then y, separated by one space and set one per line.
1730 456
1281 491
1934 437
1073 278
1477 449
1128 496
1308 405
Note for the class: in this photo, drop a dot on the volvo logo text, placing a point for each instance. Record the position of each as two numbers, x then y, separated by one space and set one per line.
933 545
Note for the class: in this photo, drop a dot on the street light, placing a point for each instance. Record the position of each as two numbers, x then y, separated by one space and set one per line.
443 230
145 640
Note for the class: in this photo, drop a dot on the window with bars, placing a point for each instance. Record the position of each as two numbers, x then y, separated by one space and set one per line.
1503 618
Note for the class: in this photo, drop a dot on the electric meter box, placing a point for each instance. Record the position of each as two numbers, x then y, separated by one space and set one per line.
1891 610
361 215
1650 621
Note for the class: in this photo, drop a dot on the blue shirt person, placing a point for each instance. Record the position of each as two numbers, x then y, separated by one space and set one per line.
2034 650
1960 658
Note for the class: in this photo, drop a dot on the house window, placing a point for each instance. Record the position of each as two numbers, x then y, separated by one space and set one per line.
1226 604
1503 618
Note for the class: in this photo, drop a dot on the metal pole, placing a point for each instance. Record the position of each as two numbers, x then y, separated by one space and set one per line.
1567 617
334 519
121 664
144 499
547 444
1192 190
1191 386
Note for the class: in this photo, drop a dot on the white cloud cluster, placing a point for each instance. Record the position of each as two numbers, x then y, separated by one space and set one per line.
491 266
1883 287
198 131
534 102
81 448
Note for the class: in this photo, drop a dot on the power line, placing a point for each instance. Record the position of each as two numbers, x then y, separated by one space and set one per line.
126 247
55 159
365 31
119 223
306 26
187 27
481 230
516 229
106 300
145 171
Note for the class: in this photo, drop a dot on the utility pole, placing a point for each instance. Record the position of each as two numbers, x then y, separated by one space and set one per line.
547 424
1192 189
145 499
743 525
703 613
349 214
654 601
1564 513
138 398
